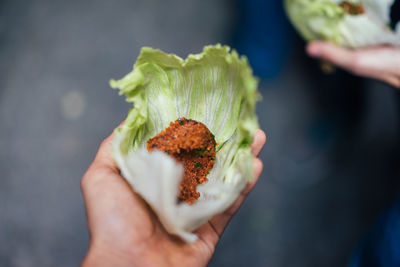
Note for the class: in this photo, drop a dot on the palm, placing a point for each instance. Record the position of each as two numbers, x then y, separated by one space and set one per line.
127 221
121 222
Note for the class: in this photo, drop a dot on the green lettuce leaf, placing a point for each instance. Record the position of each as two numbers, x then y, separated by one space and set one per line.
326 20
215 87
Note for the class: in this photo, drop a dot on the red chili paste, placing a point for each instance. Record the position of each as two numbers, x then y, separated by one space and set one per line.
192 144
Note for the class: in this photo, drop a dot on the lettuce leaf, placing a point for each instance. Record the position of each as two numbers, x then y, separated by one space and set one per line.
326 20
215 87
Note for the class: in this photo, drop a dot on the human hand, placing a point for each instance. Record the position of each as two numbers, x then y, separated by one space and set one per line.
123 229
381 62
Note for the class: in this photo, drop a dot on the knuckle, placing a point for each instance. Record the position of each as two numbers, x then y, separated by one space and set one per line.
85 181
231 211
90 176
104 144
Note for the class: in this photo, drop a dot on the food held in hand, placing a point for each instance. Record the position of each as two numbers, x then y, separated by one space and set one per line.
185 143
353 24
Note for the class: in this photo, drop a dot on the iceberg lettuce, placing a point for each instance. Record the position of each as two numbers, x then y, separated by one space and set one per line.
327 20
215 87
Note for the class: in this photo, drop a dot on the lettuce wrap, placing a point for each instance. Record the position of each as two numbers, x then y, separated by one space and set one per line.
328 20
216 88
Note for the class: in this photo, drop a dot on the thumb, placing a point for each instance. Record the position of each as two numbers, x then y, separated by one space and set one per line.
339 56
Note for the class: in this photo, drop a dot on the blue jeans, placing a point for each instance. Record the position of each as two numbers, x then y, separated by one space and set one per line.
262 34
381 246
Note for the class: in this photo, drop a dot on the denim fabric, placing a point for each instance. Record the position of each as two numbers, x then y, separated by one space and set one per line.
262 34
381 246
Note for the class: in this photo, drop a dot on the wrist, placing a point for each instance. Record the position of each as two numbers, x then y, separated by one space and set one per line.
108 253
101 254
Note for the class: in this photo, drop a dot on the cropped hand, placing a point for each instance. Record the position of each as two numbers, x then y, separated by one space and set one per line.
381 62
123 229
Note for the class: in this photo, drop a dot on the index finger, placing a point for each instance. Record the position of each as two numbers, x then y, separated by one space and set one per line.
341 57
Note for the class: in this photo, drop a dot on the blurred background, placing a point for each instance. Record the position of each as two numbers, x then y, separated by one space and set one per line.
331 159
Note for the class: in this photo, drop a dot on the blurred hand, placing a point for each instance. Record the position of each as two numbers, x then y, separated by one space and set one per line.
381 62
125 232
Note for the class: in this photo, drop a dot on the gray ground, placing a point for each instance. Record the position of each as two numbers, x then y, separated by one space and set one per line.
314 201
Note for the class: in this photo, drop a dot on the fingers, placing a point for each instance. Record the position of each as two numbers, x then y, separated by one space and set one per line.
258 142
341 57
393 80
212 231
381 62
257 169
219 222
